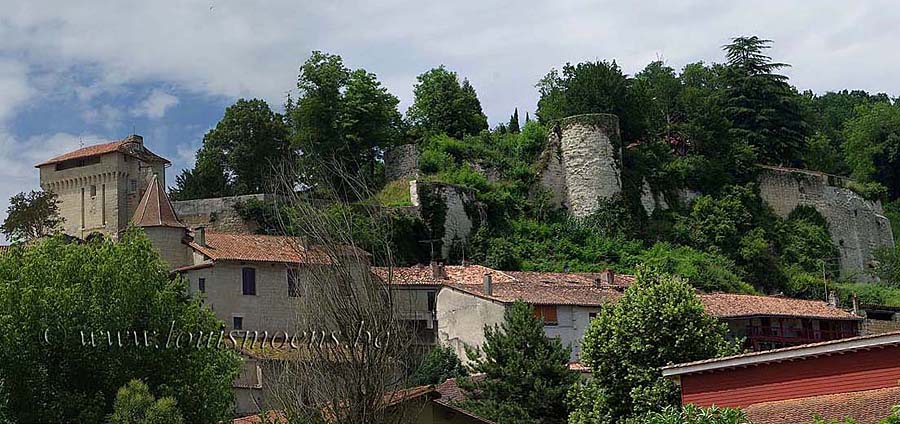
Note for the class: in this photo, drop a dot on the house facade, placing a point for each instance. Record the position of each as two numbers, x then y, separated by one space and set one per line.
850 378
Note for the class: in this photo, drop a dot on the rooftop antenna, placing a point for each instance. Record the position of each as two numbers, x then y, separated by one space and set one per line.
81 141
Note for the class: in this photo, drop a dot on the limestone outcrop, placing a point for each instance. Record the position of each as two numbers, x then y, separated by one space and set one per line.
857 226
582 162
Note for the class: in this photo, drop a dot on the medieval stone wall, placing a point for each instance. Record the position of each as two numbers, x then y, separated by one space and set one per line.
582 162
450 211
401 162
218 213
857 226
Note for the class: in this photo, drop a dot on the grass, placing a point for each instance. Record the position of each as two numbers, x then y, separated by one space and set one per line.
394 194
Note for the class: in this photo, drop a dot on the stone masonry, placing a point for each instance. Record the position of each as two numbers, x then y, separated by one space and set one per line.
218 213
401 162
582 162
857 226
455 205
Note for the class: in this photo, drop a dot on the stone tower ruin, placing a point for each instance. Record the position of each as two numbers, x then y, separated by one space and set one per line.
582 163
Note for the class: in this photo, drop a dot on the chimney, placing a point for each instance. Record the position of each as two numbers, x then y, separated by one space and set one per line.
134 138
855 305
608 277
488 284
200 235
437 270
832 299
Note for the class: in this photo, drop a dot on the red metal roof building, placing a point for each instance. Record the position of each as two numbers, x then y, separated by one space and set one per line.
850 378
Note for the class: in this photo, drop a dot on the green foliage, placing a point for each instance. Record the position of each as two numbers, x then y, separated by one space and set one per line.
101 286
887 267
444 106
439 365
709 272
341 121
692 414
892 211
31 215
135 405
513 125
625 346
239 155
764 110
873 146
526 373
394 194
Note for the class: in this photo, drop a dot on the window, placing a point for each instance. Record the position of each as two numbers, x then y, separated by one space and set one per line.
592 315
133 187
201 284
248 281
293 289
238 323
547 313
93 191
431 301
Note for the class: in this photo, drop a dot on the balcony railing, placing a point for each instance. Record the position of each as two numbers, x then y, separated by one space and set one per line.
793 335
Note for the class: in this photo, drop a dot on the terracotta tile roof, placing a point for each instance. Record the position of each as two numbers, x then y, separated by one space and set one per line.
745 305
582 278
539 288
125 145
451 393
264 248
814 349
271 417
155 209
866 407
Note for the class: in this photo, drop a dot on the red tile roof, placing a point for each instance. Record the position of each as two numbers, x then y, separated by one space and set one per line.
155 209
273 417
125 145
264 248
539 288
745 305
866 407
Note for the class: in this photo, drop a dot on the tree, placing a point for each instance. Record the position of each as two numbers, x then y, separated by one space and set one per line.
692 414
526 373
342 120
591 87
135 405
31 215
53 290
237 155
873 146
439 365
514 122
763 108
659 321
443 105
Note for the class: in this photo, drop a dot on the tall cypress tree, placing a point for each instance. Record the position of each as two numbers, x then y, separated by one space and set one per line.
763 108
514 122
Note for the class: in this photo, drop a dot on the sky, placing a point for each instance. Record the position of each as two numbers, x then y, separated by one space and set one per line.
80 73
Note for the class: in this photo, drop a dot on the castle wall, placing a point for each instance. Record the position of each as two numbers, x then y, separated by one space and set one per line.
450 211
858 226
581 165
218 213
401 162
167 241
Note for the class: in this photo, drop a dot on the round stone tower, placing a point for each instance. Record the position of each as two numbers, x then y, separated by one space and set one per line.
582 163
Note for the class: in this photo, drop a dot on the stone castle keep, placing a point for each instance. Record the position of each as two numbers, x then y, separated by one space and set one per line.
99 187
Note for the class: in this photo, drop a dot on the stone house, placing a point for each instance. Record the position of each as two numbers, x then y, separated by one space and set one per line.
99 187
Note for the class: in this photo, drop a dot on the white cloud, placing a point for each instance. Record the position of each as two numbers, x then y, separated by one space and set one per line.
14 87
155 105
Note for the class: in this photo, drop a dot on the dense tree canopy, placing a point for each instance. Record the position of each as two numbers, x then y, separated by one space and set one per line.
239 155
31 215
444 105
626 345
102 286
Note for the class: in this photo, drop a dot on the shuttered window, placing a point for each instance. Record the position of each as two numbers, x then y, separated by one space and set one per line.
546 313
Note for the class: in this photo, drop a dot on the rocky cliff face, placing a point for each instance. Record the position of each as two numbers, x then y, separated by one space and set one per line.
582 162
858 226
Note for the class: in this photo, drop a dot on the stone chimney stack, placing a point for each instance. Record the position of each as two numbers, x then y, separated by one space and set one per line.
832 299
200 236
609 277
437 270
488 284
855 305
134 138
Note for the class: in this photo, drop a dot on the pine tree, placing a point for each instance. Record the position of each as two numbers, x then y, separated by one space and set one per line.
514 122
526 374
527 118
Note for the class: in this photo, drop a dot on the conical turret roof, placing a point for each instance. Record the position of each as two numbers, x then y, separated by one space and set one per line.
155 209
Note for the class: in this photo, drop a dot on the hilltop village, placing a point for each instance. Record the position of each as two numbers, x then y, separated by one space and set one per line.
708 245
